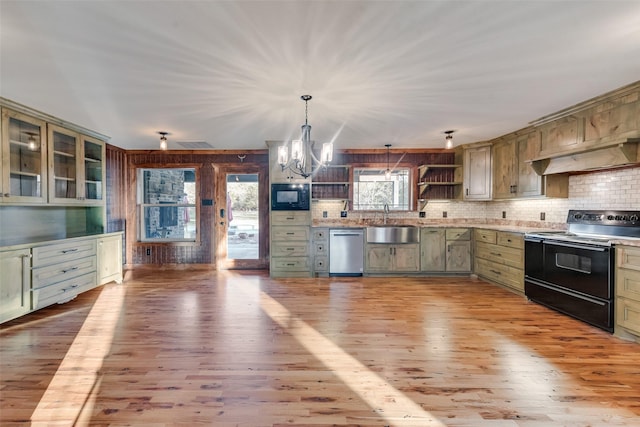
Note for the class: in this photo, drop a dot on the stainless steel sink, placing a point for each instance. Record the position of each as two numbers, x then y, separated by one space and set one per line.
393 234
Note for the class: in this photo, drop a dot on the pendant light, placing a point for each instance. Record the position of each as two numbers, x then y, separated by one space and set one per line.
448 139
387 173
163 139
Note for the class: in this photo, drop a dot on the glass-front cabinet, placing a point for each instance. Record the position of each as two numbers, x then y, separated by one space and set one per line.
77 172
23 165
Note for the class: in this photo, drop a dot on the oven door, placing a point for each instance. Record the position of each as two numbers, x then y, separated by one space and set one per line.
581 268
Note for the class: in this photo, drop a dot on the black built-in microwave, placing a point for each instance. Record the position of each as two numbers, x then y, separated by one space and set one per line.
290 197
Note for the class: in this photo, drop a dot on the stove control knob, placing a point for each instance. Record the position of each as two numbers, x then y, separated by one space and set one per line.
618 217
633 218
610 217
577 216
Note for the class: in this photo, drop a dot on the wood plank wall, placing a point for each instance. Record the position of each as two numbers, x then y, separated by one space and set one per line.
208 164
121 192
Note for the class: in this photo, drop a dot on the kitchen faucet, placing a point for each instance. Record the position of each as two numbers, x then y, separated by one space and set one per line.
386 214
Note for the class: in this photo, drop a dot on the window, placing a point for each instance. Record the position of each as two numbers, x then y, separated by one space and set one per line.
166 201
372 191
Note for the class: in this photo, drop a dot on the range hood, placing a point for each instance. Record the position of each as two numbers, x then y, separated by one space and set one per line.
622 152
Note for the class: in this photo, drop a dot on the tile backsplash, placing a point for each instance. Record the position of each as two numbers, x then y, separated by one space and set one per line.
613 189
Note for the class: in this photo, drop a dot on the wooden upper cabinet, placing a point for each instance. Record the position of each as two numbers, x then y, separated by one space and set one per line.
477 173
505 169
23 159
513 176
565 134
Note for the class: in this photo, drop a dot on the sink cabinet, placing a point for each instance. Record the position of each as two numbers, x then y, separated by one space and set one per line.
391 258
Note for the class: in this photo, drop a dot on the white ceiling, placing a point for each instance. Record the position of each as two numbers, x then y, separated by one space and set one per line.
231 72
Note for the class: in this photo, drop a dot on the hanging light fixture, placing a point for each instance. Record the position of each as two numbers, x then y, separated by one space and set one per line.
299 147
32 144
448 139
387 173
163 139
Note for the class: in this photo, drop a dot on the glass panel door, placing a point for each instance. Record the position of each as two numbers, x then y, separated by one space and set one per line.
24 148
64 152
243 219
93 169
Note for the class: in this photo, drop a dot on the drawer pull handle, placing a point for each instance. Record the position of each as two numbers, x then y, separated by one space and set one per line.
495 272
66 251
70 269
495 253
290 249
290 265
290 233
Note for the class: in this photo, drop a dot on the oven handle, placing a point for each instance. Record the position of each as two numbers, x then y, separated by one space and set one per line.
533 239
568 245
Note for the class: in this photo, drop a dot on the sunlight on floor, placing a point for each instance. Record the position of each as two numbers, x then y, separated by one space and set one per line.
71 394
387 402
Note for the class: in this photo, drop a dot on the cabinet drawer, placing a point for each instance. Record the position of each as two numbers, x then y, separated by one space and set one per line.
628 257
628 284
512 240
503 274
293 248
61 252
320 249
488 236
289 233
63 291
320 234
290 264
628 314
291 218
51 274
500 254
321 264
458 234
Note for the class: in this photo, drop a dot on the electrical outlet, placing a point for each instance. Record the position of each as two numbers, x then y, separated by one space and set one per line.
504 214
343 214
542 216
422 214
444 214
324 214
148 251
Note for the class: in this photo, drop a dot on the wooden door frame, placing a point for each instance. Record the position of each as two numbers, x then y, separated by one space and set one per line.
220 225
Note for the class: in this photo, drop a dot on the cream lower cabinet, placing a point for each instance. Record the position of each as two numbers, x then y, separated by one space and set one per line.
445 250
15 283
290 244
109 253
386 258
627 303
61 271
499 257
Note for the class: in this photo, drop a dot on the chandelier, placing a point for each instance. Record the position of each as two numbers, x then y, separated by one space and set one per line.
297 162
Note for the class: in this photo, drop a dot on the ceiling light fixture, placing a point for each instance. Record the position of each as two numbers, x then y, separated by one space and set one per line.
296 163
31 141
163 139
387 173
449 139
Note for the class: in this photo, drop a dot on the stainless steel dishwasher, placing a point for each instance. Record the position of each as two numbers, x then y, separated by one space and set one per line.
346 252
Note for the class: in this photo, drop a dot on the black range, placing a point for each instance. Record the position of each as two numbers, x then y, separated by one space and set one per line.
573 271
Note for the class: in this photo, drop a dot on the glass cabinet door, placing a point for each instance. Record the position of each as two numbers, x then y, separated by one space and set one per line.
23 171
94 152
63 156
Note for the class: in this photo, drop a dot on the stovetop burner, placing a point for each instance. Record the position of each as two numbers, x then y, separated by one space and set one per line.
596 227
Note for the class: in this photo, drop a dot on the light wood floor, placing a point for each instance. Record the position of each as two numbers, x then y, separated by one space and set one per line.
225 349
